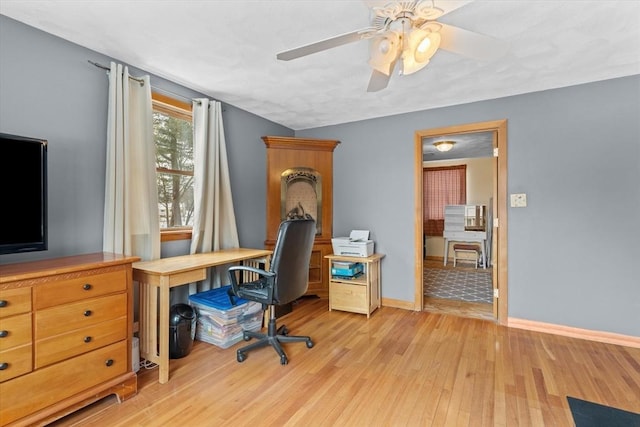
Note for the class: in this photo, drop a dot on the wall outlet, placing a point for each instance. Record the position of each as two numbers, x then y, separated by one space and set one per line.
518 200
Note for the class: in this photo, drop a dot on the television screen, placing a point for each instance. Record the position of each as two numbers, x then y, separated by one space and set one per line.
23 194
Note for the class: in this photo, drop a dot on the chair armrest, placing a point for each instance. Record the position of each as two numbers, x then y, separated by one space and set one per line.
258 271
266 281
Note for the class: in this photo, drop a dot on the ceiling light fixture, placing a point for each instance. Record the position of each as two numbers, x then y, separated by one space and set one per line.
421 45
413 45
444 145
384 52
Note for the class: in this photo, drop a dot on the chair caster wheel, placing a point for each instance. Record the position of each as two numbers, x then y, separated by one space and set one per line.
284 360
241 357
309 344
245 336
282 330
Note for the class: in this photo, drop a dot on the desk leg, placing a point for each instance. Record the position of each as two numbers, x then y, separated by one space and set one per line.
163 361
446 251
149 322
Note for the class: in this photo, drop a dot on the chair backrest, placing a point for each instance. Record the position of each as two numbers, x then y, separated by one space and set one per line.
290 259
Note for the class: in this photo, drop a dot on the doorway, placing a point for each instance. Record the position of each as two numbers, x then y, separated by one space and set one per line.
498 219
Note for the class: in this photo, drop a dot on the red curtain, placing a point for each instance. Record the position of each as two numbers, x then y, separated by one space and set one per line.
441 186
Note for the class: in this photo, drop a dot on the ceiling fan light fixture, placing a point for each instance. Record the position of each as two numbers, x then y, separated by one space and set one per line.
427 47
444 146
384 52
420 47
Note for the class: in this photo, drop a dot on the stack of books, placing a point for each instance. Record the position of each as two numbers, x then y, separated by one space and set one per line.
346 270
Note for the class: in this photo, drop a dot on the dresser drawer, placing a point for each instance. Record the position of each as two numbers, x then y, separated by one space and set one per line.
71 289
14 362
66 318
49 385
79 341
15 331
348 297
15 301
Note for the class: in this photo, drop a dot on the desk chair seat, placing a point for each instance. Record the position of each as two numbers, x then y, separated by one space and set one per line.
286 281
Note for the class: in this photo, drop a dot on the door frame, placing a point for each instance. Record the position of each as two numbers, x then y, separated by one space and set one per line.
499 127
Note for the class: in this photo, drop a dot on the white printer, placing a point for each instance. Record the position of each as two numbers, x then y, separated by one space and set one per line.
357 244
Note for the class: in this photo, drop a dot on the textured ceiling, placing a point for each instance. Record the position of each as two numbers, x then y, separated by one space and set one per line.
227 50
468 145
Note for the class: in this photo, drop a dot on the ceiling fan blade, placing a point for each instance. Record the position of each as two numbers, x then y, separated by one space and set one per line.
329 43
378 81
450 6
474 45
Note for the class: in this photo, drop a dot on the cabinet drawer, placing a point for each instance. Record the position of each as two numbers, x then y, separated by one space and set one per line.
80 341
14 301
15 331
14 362
348 297
79 288
81 314
57 382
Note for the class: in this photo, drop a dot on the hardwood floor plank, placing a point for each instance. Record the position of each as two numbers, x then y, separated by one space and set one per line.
398 368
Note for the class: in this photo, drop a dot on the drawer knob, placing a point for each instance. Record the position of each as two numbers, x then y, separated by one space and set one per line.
4 303
87 339
4 334
87 313
109 362
86 286
3 366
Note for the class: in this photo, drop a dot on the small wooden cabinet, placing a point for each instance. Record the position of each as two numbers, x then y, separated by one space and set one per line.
65 335
358 295
300 180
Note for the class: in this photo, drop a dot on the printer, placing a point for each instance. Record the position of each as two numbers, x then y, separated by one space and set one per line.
357 244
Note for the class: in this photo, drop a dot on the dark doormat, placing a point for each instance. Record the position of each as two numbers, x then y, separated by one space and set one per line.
589 414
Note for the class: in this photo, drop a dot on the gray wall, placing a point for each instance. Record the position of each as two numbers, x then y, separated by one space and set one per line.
576 153
49 90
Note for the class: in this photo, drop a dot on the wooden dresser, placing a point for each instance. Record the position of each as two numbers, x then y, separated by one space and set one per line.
66 328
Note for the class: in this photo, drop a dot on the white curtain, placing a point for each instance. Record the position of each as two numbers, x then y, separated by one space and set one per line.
214 221
131 222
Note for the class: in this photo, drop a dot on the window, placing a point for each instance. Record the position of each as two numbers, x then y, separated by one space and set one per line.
441 186
173 134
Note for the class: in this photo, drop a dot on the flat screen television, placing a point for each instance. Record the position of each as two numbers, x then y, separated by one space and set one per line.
23 194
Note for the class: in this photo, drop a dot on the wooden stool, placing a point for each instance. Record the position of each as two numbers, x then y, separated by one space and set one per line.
461 247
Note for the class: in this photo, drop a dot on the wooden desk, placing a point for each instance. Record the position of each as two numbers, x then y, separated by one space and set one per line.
157 277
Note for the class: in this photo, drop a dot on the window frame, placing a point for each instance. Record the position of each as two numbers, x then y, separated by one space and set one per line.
182 110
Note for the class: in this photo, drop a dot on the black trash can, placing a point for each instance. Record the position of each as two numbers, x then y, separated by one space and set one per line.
182 330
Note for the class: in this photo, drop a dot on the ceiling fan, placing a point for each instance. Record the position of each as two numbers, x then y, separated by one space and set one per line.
406 34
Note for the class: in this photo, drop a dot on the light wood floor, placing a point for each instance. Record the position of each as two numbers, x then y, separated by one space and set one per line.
398 368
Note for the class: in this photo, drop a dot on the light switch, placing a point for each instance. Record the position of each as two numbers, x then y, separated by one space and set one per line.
519 200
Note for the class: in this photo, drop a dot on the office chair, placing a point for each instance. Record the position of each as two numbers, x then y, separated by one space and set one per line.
285 282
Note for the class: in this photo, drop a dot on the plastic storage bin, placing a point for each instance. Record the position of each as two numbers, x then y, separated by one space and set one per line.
219 322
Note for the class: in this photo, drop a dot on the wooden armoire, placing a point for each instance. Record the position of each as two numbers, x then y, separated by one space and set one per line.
300 184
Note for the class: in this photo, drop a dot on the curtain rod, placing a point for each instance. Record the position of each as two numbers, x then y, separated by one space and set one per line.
104 67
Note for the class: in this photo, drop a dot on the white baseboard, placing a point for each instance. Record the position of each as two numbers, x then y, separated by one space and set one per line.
568 331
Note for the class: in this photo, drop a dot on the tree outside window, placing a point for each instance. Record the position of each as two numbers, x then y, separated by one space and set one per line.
173 134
